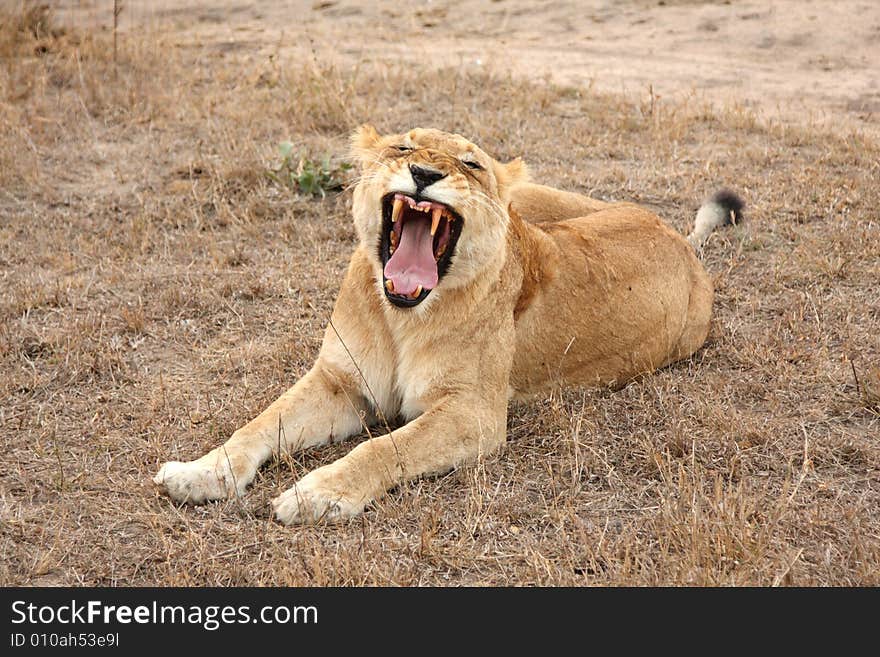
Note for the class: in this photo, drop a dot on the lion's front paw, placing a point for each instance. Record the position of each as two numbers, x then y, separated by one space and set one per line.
314 499
198 481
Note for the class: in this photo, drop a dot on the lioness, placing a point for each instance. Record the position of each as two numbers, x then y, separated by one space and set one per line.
469 287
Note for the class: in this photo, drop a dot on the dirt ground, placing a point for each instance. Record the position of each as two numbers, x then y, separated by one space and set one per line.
158 289
800 60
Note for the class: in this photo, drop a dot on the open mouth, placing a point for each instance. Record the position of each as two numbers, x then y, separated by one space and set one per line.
418 240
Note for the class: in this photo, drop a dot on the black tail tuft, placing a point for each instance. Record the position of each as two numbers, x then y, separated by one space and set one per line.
732 204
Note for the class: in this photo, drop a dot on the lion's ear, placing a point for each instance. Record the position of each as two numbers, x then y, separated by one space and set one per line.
364 141
510 174
517 172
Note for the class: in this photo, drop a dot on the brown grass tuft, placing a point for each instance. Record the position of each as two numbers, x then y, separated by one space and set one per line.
24 26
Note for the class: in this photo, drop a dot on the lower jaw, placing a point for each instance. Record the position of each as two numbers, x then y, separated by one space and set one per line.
401 301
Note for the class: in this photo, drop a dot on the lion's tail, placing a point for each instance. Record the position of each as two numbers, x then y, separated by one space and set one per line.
723 208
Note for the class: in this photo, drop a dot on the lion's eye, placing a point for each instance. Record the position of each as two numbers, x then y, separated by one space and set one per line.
470 164
403 149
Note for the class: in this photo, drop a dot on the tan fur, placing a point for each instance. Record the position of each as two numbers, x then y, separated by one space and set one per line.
539 203
545 288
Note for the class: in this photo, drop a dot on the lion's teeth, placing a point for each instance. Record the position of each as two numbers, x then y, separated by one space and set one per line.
395 210
417 292
435 220
389 286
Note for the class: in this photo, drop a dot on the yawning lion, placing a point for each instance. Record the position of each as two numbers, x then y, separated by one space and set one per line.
470 286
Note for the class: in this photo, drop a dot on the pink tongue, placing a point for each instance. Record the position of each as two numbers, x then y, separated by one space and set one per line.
413 261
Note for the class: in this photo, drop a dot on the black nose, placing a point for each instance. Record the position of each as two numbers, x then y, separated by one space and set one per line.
424 177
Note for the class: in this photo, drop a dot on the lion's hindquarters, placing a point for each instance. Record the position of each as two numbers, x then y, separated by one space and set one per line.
628 296
698 317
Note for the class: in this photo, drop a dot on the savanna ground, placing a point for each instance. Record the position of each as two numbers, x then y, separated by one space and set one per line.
158 289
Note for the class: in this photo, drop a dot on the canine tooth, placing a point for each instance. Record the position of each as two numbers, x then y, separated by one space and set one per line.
417 292
435 220
389 286
395 210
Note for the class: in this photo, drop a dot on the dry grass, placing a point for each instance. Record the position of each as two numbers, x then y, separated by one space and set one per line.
158 291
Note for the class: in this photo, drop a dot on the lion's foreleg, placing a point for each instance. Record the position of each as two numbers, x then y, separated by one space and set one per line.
322 406
435 442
